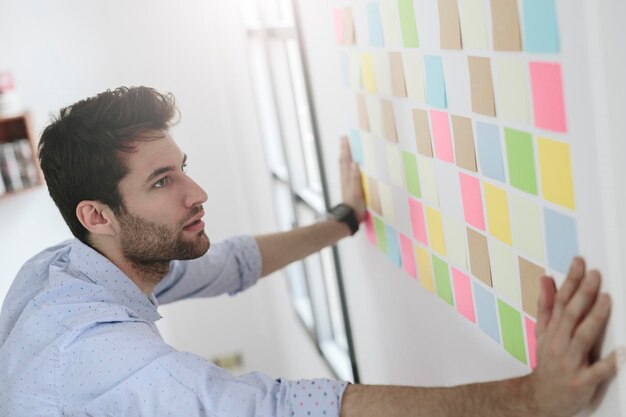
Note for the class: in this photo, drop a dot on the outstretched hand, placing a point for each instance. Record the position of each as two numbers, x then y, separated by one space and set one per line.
351 186
570 325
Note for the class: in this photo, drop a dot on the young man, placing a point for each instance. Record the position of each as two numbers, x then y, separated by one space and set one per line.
77 329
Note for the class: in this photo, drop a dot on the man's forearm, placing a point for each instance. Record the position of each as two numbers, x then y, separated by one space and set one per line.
508 398
281 249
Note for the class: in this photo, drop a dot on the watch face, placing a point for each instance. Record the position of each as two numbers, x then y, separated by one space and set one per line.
341 211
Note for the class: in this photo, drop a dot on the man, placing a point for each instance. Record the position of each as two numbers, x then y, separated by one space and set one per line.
77 329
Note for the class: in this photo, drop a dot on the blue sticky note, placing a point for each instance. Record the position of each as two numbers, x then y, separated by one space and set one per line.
486 312
375 26
541 28
356 147
561 239
343 59
393 246
490 151
435 82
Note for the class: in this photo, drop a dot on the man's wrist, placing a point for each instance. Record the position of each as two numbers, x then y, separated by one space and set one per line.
345 214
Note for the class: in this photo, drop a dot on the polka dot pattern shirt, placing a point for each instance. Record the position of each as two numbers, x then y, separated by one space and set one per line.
78 338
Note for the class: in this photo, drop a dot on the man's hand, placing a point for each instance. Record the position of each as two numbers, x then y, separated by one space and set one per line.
569 327
351 186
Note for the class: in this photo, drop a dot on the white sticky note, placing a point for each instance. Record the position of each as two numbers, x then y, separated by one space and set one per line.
458 84
449 190
473 24
391 23
383 72
374 114
414 76
371 167
504 271
512 89
394 162
386 203
428 180
354 70
456 242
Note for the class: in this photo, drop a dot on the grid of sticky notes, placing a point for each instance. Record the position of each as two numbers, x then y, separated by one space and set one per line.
464 150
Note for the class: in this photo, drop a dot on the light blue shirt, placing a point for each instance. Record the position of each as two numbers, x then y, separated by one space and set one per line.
78 338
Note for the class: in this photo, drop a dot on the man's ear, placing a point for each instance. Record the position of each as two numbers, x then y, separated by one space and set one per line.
96 217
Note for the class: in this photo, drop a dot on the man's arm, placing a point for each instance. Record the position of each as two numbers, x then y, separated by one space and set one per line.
570 325
280 249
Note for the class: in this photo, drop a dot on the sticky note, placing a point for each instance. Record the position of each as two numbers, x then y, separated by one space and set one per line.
381 237
449 25
394 159
505 25
369 229
512 332
435 231
418 224
424 268
411 174
473 24
504 271
372 187
521 158
441 135
490 151
456 242
435 82
513 101
541 29
349 35
555 166
362 112
398 85
414 76
486 312
464 151
355 146
472 201
442 280
547 90
369 159
389 120
393 246
374 115
527 227
338 23
386 203
374 26
391 22
561 239
463 295
382 69
479 256
406 12
530 279
458 84
369 75
481 85
449 190
366 191
408 259
421 126
498 219
428 180
532 342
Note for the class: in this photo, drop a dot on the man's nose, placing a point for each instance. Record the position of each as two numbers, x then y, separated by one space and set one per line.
195 194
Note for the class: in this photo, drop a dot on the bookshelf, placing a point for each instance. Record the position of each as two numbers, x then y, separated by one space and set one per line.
19 168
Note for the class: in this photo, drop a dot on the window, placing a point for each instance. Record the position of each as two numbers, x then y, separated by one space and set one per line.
292 151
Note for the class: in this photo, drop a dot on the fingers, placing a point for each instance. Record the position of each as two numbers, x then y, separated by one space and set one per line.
600 371
345 158
545 305
567 290
590 329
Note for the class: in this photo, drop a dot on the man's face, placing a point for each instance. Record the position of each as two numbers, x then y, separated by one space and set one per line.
163 206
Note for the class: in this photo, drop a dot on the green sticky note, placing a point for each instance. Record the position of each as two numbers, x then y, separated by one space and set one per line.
519 151
512 332
411 175
407 23
381 236
442 279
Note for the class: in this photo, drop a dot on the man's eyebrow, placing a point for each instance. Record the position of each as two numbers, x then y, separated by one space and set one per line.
159 171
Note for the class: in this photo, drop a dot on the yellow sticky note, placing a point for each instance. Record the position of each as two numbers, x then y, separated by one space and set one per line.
424 268
555 166
435 231
366 191
369 77
498 213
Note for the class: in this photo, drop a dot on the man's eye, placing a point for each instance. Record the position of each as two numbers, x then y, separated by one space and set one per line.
161 183
184 167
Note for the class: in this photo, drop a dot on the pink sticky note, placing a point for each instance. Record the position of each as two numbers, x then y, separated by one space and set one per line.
532 342
547 88
369 229
441 135
406 246
472 201
338 19
416 212
463 294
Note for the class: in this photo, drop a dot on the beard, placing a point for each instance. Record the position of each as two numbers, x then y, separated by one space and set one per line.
150 246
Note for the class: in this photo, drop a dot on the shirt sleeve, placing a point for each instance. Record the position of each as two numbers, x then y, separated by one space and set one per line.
229 266
125 369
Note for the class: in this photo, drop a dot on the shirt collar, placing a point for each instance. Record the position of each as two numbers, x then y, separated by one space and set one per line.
105 274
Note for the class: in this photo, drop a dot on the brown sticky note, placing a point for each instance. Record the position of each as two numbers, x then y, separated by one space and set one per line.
482 86
349 37
372 187
364 123
398 84
389 120
421 125
449 25
530 277
465 153
505 23
479 256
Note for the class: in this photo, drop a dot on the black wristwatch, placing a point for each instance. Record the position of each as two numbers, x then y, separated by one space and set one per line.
345 214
